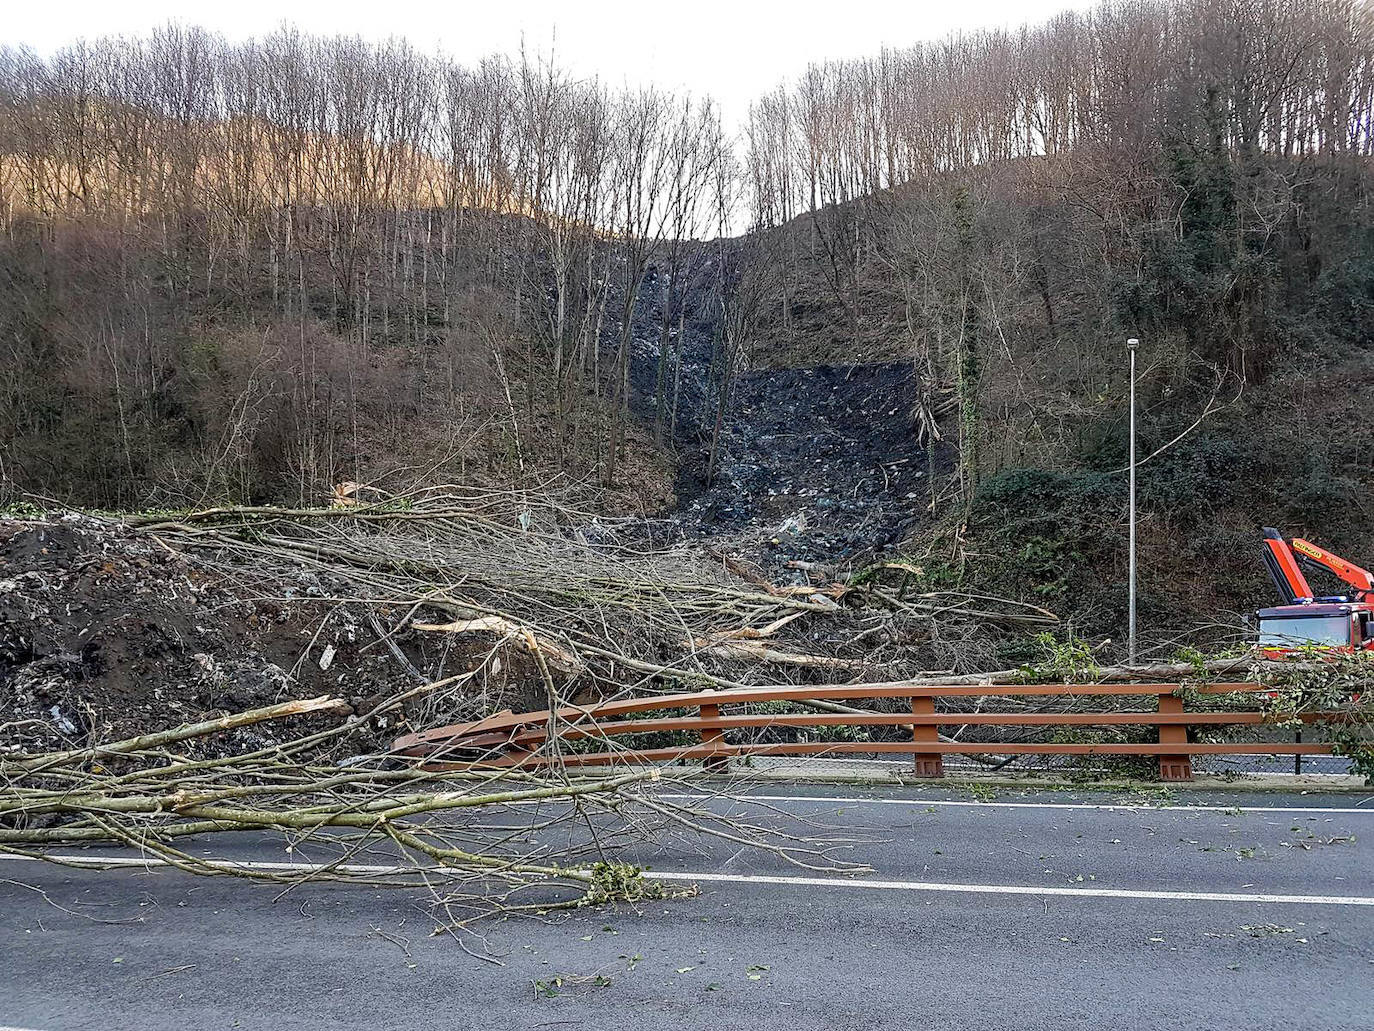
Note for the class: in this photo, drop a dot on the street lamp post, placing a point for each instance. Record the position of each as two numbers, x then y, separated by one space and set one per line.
1131 346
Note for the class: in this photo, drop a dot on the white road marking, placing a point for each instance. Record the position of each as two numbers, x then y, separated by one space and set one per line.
230 865
842 883
1144 807
1013 889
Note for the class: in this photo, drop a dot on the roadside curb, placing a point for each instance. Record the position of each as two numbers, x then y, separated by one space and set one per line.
1249 782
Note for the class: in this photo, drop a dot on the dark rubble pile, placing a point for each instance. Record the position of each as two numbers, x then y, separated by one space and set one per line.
818 466
105 634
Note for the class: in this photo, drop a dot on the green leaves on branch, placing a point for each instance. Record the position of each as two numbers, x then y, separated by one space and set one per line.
1069 661
1320 680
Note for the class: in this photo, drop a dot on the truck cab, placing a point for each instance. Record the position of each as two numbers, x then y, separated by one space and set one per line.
1343 625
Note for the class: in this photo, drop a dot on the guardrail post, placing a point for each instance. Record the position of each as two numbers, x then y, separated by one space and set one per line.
928 764
1178 766
713 737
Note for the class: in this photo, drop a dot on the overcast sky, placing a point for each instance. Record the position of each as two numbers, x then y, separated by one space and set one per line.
732 50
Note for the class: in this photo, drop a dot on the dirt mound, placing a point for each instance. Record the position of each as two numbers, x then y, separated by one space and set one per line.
105 634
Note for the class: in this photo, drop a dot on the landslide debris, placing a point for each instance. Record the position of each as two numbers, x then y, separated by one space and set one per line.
104 633
819 466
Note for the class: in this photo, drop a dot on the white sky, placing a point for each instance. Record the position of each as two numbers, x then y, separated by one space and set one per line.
732 50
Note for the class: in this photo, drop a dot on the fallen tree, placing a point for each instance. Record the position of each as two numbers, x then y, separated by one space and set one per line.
527 587
540 575
531 589
372 820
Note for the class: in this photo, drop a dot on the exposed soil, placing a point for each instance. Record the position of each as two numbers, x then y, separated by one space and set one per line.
817 466
104 634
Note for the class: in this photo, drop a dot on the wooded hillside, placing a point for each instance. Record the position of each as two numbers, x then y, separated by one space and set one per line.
250 270
1008 208
247 271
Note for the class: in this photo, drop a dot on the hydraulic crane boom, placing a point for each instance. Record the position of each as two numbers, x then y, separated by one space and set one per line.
1312 556
1283 568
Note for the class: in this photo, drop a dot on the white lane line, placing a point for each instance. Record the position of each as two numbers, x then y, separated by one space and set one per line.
843 883
248 865
1231 810
1014 889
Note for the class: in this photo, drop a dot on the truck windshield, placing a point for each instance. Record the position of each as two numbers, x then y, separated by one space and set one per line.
1292 631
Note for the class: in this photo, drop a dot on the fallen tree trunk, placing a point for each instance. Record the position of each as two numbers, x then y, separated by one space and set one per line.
757 652
136 794
160 739
553 653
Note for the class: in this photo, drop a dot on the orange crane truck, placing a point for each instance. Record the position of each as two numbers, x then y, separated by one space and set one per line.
1344 622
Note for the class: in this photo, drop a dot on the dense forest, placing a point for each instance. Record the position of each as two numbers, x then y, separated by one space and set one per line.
248 271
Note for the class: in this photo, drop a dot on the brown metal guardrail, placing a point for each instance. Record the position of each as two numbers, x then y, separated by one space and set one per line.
510 739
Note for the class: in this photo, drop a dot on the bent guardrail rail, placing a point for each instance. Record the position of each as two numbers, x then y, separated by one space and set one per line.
541 737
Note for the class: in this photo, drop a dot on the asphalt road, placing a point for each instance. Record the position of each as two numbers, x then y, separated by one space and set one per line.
1031 911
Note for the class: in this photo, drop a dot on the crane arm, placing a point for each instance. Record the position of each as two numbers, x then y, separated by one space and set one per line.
1283 568
1311 555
